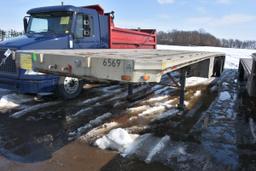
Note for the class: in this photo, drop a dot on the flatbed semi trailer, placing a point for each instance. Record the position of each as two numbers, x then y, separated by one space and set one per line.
124 65
247 74
127 66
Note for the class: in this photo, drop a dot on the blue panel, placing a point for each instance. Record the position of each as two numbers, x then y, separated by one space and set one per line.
104 31
53 8
36 41
93 41
32 86
29 86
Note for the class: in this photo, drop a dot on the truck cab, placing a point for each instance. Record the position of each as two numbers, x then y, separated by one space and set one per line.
55 27
64 27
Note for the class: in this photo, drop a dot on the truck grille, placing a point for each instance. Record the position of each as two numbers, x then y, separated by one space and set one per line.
9 66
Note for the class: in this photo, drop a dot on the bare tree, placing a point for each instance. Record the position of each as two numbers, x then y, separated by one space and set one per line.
200 38
6 34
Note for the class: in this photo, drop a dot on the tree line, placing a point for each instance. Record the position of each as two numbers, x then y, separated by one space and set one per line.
200 38
6 34
176 37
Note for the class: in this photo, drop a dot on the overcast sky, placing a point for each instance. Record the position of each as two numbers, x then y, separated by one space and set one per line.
223 18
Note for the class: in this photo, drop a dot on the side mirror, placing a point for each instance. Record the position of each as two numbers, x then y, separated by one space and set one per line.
25 23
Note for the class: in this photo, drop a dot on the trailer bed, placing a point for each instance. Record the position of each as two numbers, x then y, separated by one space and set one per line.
247 64
247 70
127 65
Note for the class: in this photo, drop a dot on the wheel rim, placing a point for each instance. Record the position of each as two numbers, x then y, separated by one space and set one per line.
71 85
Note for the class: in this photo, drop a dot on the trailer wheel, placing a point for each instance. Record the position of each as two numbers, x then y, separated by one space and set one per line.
69 87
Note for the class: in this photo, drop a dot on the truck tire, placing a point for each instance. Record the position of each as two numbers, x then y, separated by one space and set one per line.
69 87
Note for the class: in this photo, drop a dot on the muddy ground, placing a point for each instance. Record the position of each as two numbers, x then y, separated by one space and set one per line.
216 132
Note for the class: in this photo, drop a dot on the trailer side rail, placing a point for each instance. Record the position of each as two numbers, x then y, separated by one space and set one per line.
133 66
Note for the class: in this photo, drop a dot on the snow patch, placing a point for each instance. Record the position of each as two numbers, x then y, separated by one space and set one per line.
167 114
117 139
160 146
157 99
252 128
93 123
161 90
33 108
6 103
156 87
4 91
95 132
11 101
181 150
95 99
225 84
137 144
198 93
82 112
138 109
193 81
224 96
153 110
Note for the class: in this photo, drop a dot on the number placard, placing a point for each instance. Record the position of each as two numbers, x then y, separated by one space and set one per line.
111 63
26 61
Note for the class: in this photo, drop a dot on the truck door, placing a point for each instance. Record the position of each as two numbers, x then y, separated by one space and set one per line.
86 33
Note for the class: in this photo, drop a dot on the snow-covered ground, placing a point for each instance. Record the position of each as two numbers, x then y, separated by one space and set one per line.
232 55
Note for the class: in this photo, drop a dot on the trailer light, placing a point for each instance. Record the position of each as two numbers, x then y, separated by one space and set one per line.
34 57
146 77
126 77
41 58
173 67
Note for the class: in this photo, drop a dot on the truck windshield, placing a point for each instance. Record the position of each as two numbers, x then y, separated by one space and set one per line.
56 23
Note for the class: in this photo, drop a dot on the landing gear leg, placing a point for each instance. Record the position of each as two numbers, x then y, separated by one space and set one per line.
130 92
183 75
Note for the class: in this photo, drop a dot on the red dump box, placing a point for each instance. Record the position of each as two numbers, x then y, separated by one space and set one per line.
121 38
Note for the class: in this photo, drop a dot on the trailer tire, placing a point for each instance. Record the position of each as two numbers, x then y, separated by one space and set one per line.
69 87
